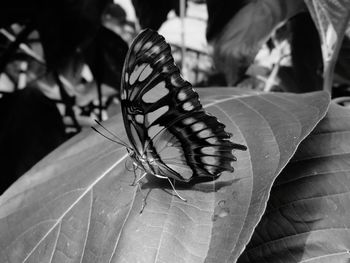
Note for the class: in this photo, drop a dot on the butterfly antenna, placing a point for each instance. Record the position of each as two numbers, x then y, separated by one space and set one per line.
117 142
120 141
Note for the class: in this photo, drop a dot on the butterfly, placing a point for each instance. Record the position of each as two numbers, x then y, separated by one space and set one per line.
170 134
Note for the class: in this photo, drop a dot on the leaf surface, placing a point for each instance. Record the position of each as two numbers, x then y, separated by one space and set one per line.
77 205
307 216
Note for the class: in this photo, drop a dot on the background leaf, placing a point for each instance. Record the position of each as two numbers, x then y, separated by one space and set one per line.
63 25
105 55
78 205
236 44
152 13
332 20
307 217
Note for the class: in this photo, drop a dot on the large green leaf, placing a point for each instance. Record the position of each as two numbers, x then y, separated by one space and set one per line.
307 217
77 204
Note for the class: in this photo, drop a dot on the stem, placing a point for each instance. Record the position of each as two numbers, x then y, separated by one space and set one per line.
328 73
329 65
99 96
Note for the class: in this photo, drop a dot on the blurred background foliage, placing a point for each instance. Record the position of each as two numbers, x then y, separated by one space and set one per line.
61 60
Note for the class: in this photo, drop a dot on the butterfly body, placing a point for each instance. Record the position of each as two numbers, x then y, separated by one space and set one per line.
170 133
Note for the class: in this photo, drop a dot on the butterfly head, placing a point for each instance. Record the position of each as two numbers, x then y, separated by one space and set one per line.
131 152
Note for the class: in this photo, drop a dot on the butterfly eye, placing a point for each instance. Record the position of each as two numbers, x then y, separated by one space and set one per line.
131 152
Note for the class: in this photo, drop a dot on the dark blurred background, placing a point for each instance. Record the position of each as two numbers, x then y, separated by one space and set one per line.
61 61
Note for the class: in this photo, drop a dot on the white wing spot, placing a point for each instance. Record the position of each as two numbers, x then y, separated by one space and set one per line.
145 73
139 118
153 130
154 115
212 140
165 69
205 134
126 77
136 73
134 92
209 160
189 121
171 153
137 47
147 45
160 58
155 49
182 95
155 93
198 126
208 150
123 95
188 106
210 169
176 81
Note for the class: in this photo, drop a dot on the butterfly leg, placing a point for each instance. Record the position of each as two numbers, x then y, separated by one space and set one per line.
144 197
178 195
135 168
134 165
138 180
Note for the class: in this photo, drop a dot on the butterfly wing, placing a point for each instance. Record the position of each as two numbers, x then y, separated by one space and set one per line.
164 119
